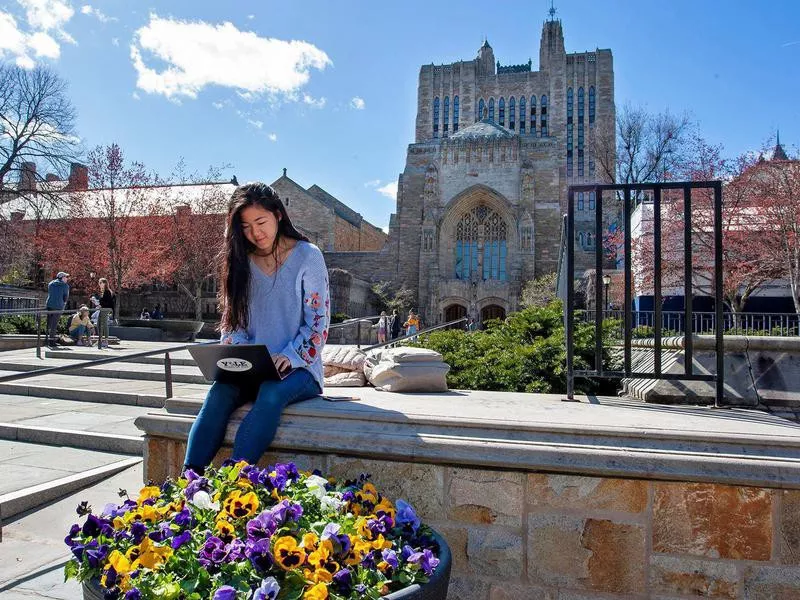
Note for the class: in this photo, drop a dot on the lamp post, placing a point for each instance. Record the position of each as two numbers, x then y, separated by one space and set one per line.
606 283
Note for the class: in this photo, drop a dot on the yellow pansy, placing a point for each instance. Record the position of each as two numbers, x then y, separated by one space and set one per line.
120 562
386 506
318 557
318 575
119 523
225 528
362 529
381 543
317 592
150 491
310 541
240 505
287 553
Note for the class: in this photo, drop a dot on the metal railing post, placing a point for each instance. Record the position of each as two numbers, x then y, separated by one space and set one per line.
38 317
168 374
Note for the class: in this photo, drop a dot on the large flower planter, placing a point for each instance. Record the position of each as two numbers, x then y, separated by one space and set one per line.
435 589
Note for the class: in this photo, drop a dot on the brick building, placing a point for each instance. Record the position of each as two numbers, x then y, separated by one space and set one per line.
481 198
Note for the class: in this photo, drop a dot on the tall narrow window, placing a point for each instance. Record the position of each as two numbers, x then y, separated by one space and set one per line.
491 109
446 120
580 200
591 200
502 110
591 105
522 114
481 110
570 102
533 115
580 131
512 113
582 239
543 118
455 114
436 117
481 223
494 246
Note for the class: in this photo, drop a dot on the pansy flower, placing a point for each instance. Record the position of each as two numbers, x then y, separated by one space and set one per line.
288 555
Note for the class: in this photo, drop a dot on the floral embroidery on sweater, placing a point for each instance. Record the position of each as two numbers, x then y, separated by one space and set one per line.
309 348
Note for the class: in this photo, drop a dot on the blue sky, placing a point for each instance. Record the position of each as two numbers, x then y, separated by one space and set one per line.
328 89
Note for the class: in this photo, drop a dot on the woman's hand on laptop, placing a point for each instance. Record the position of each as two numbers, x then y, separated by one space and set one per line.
282 363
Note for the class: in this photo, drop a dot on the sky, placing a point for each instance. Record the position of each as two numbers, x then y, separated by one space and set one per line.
327 89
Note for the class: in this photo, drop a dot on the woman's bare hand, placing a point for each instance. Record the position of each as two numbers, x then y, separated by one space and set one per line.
282 363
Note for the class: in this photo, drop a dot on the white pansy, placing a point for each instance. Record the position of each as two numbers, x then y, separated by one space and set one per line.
316 485
331 503
202 500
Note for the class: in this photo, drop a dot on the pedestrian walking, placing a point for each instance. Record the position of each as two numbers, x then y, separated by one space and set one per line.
57 295
412 325
383 327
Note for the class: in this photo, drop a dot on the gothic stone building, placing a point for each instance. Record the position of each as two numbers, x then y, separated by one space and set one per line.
481 199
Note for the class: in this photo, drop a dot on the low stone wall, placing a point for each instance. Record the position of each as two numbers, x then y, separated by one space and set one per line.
759 370
541 499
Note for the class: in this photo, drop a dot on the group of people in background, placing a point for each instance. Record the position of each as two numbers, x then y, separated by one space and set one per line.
85 322
393 324
146 315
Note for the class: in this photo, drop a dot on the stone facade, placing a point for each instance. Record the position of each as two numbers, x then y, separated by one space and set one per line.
481 198
328 222
521 535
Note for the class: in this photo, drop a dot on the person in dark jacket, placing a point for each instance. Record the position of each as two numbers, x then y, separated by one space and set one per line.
107 300
57 294
396 324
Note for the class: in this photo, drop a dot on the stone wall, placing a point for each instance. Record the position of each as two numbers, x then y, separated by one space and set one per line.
548 536
547 500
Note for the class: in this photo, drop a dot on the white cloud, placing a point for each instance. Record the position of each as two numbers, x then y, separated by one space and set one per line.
43 45
115 41
389 190
273 137
372 184
200 54
250 17
217 105
358 103
315 102
46 19
256 123
88 9
136 96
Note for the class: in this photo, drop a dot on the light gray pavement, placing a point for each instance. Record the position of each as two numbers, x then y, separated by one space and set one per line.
33 554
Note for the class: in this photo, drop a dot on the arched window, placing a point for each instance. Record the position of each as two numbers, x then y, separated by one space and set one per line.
580 200
581 240
436 117
533 115
455 114
502 110
512 113
543 118
481 223
481 109
491 109
522 114
446 115
591 200
591 105
589 240
580 131
570 97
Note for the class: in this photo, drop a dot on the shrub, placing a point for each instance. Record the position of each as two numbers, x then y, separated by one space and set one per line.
524 353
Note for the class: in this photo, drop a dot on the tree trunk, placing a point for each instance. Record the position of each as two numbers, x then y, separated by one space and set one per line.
198 302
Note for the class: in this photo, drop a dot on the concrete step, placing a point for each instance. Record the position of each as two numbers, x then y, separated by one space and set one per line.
121 370
32 475
73 438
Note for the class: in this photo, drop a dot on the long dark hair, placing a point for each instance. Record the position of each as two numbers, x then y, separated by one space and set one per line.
234 260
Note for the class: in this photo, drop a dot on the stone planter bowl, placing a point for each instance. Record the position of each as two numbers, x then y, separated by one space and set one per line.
173 330
435 589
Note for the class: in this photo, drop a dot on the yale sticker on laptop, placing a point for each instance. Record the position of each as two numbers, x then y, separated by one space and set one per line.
236 365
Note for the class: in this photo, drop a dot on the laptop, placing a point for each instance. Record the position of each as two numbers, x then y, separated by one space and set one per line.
236 363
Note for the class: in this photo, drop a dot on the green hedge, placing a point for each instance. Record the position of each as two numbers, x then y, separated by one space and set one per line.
26 324
524 353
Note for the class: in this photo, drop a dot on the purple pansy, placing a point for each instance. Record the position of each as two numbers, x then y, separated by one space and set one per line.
390 558
133 594
180 539
226 592
343 582
268 590
138 531
215 552
426 561
406 515
258 552
382 525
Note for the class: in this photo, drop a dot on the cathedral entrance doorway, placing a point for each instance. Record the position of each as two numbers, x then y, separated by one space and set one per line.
453 312
493 311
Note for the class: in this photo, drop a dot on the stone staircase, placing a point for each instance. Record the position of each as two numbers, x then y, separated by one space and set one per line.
76 428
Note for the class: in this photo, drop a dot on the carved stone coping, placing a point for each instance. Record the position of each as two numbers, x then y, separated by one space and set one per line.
531 432
732 343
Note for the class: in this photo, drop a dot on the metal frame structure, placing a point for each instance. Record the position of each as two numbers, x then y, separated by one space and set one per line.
656 189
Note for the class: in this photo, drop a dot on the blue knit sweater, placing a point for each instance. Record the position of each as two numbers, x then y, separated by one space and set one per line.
289 311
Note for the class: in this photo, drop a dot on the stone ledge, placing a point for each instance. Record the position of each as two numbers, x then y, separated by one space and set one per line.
599 436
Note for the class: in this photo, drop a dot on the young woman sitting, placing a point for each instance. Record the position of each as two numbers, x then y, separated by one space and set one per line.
273 291
81 328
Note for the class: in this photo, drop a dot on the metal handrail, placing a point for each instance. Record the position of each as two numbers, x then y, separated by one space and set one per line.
113 359
413 335
37 314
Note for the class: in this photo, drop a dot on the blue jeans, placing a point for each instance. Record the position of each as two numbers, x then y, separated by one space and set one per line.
259 426
79 332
